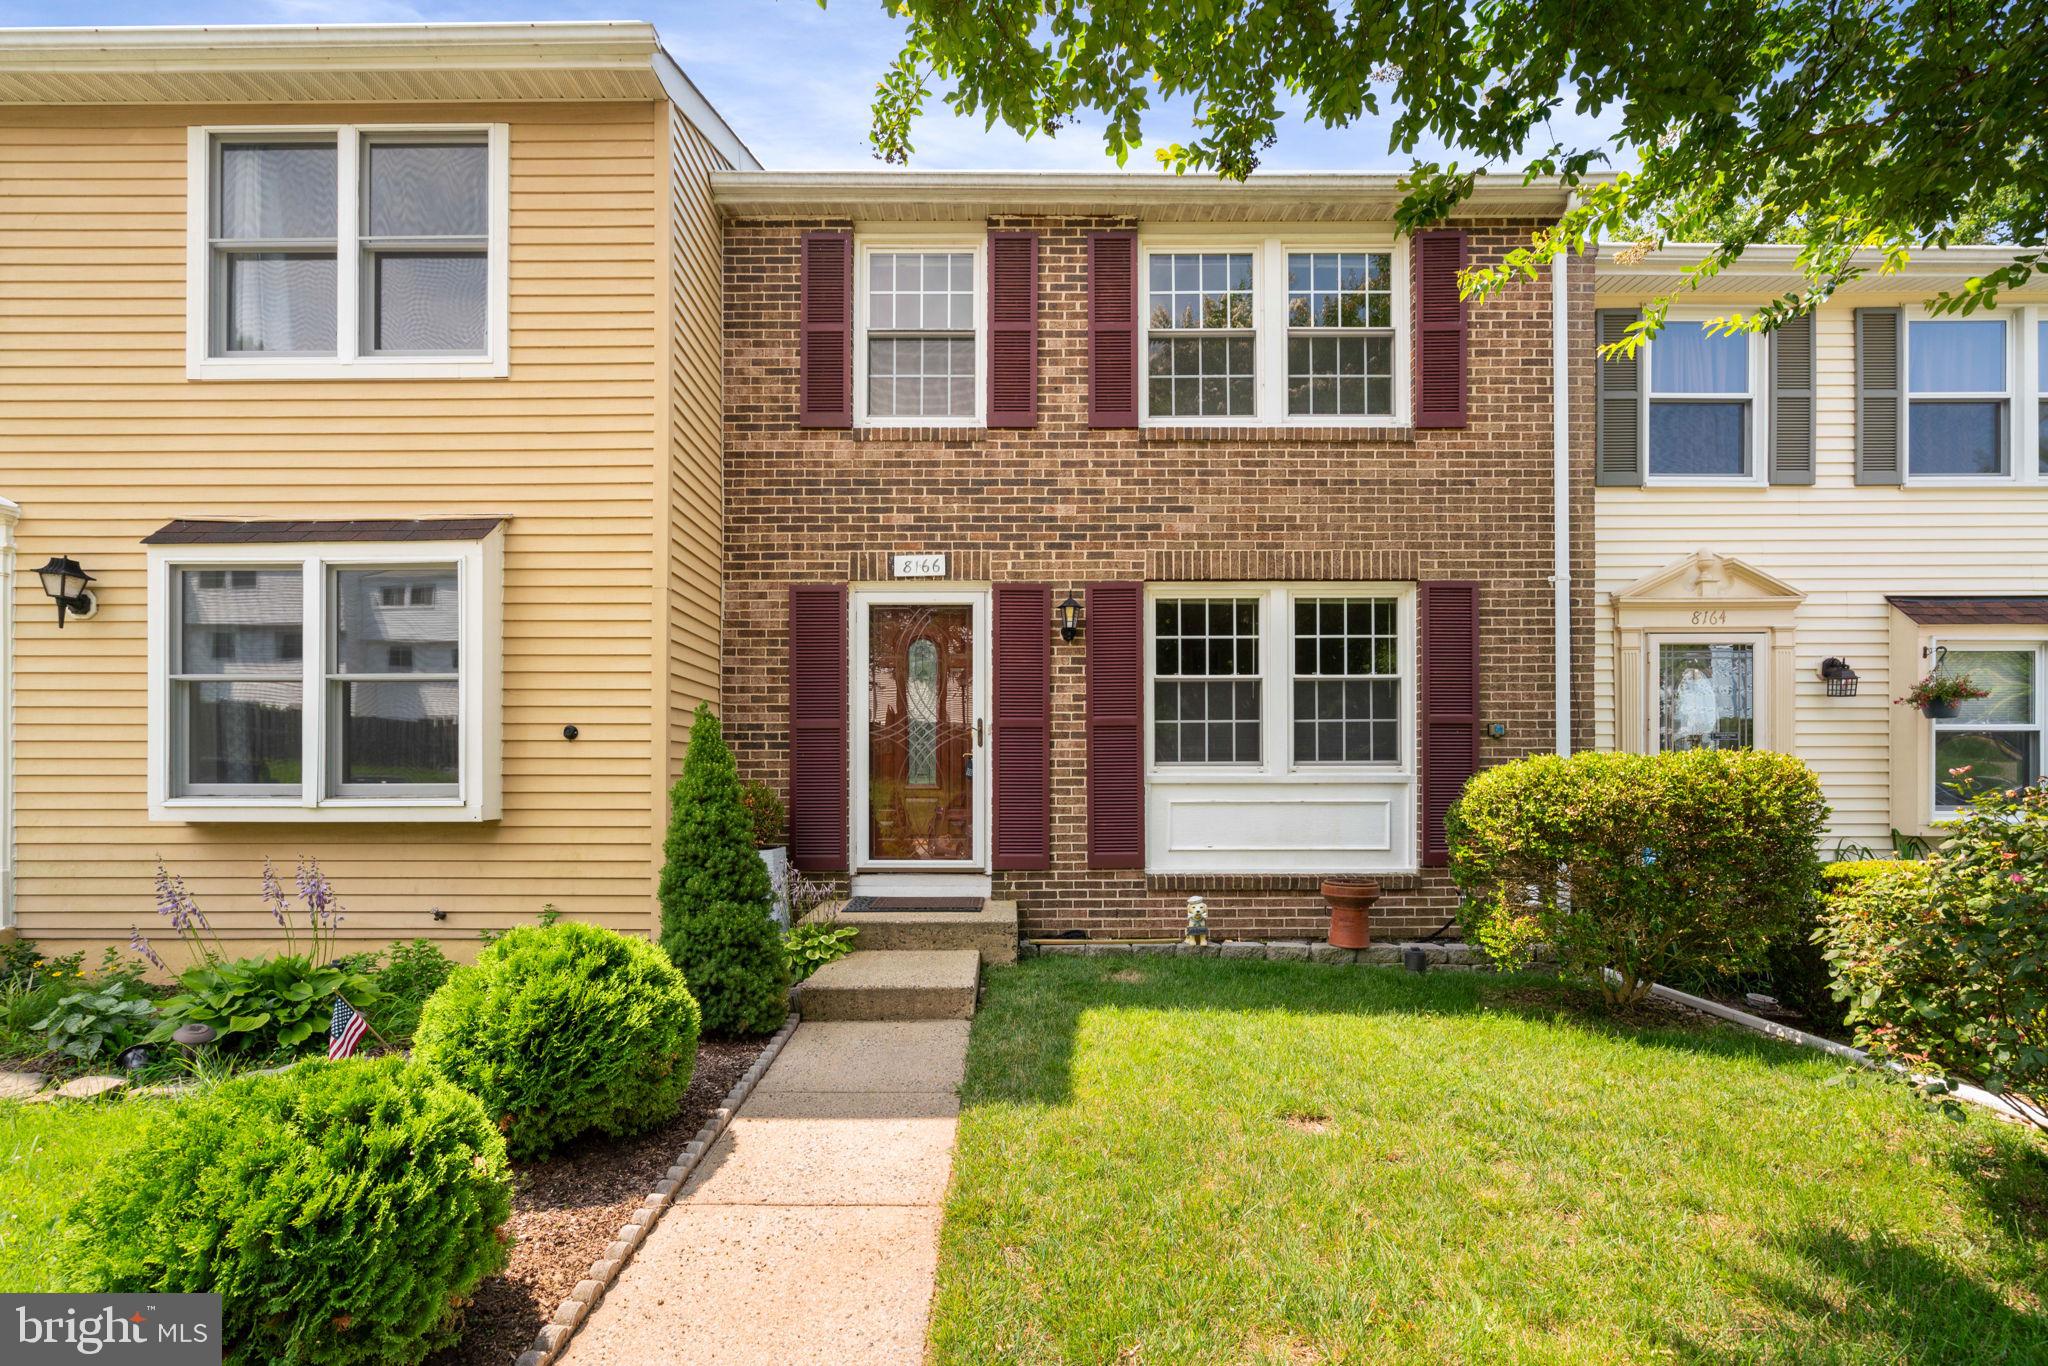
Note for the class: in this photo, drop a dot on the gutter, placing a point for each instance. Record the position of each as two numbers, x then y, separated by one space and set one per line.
1561 498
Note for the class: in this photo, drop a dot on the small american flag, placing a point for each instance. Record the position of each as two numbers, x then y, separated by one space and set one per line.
346 1030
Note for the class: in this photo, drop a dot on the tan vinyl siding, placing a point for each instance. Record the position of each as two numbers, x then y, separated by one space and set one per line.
696 494
1845 547
102 439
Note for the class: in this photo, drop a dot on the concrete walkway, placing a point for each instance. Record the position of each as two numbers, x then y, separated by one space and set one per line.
809 1233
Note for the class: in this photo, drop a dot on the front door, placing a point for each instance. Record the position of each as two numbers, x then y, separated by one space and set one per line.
921 787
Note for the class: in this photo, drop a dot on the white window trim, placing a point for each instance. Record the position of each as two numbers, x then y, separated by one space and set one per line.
2020 396
975 243
479 584
1757 434
1269 251
349 361
1277 784
1932 774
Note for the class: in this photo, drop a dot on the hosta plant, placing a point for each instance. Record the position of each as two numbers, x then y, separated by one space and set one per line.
97 1021
256 1005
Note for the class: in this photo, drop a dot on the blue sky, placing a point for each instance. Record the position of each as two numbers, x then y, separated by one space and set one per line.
793 80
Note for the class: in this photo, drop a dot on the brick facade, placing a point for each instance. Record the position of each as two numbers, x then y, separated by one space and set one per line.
1065 505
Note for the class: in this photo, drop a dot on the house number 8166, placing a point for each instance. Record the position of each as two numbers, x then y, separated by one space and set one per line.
1709 616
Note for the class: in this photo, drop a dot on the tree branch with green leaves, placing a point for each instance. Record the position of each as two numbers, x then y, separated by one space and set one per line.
1860 131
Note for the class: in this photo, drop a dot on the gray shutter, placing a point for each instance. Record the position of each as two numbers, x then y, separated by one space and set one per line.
1880 395
1618 406
1791 415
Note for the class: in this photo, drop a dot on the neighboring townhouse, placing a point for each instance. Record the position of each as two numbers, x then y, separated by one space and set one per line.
373 375
1792 529
1093 541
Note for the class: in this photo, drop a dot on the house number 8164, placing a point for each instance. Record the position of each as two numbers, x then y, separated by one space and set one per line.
1710 616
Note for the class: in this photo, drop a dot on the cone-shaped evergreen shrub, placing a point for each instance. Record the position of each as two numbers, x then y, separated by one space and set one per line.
716 917
344 1212
561 1029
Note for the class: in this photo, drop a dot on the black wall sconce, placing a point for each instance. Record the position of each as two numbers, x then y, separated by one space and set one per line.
1840 678
1067 616
64 581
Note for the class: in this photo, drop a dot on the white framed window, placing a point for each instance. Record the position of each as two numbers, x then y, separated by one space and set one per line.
1201 334
1702 415
919 344
1959 397
1302 328
307 695
1280 727
360 250
1340 334
1996 738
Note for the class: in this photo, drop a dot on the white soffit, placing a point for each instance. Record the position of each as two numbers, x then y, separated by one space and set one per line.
956 196
1770 271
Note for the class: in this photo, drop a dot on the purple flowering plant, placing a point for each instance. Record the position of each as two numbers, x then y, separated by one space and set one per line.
275 1003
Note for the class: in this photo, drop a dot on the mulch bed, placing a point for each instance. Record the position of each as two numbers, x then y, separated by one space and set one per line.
566 1208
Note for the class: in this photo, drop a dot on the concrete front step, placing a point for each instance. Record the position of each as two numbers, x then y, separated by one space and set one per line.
990 931
894 984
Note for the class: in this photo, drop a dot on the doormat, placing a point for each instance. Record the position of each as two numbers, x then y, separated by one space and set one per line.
958 904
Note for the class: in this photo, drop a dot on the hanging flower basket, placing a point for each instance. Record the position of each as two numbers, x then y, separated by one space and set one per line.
1939 696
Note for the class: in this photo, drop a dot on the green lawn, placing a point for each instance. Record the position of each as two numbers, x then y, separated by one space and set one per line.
1177 1160
49 1154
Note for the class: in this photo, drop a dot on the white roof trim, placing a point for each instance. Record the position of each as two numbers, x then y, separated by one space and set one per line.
684 95
1773 258
1332 195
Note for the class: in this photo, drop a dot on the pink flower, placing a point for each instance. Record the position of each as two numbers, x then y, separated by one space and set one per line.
2016 877
1959 772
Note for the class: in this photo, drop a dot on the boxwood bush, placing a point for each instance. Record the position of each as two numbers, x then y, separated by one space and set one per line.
563 1029
1639 864
344 1212
1944 964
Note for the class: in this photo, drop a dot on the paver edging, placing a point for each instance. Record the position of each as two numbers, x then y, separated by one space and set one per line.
574 1311
1440 955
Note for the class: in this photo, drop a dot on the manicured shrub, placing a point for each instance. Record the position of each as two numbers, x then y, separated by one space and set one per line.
564 1029
717 918
344 1212
1944 964
1639 864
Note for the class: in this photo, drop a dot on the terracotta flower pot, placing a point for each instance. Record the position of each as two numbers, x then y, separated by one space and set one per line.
1350 901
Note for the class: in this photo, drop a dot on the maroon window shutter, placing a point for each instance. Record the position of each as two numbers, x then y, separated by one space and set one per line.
1013 329
817 727
1450 706
1022 752
1440 342
825 319
1112 329
1116 725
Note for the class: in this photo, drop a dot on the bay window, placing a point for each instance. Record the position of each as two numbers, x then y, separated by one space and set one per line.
331 681
1701 403
347 250
1281 733
1958 392
1272 330
1995 740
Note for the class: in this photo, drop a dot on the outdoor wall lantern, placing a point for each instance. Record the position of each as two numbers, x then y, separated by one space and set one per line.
1067 616
66 582
1840 678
